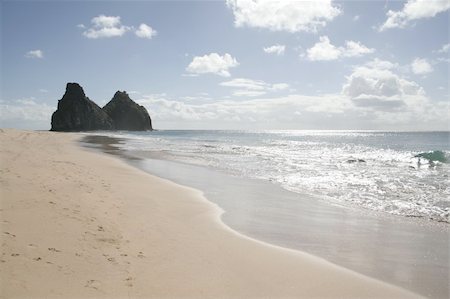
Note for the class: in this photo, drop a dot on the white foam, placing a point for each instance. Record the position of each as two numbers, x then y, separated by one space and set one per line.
375 177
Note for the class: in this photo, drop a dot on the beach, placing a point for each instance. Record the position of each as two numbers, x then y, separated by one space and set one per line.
79 224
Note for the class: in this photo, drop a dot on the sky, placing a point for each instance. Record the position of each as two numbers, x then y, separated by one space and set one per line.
233 64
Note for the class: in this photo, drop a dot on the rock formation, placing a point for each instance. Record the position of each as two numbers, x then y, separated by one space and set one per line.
76 112
126 114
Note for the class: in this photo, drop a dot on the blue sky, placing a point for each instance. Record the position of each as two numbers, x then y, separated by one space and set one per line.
233 64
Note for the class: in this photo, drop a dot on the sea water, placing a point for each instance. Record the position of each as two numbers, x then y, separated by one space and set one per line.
402 173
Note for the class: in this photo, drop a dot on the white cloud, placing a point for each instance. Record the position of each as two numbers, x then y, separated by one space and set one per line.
444 59
374 96
106 26
391 101
248 93
414 10
111 26
253 88
356 18
355 49
34 54
145 31
325 51
421 66
286 15
279 86
381 64
27 109
445 48
106 21
275 49
375 85
212 63
267 113
200 96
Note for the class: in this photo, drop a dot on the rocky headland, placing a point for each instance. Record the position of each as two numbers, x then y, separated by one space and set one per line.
76 112
126 114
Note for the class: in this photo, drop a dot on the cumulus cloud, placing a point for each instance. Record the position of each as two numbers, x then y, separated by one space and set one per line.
355 49
275 49
379 93
268 113
381 64
212 63
325 51
444 49
145 31
252 88
414 10
25 110
111 26
421 66
376 85
292 111
34 54
286 15
374 96
106 26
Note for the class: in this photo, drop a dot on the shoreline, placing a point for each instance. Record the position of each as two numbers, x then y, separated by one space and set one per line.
107 144
82 224
407 252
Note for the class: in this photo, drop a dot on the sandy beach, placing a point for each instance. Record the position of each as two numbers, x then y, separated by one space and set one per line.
79 224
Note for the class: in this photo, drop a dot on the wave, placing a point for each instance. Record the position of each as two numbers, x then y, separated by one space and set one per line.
434 156
373 171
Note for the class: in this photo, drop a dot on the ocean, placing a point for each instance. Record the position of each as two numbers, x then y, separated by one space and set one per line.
401 173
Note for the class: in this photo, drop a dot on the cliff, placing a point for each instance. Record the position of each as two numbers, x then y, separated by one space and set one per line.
76 112
126 114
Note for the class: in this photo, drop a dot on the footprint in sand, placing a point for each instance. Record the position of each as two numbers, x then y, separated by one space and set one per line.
9 234
141 254
129 281
54 249
37 259
95 284
15 254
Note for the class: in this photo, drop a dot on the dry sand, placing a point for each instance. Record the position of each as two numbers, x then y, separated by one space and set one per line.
79 224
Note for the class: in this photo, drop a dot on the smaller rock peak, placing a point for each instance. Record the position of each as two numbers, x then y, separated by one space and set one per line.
121 93
75 90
